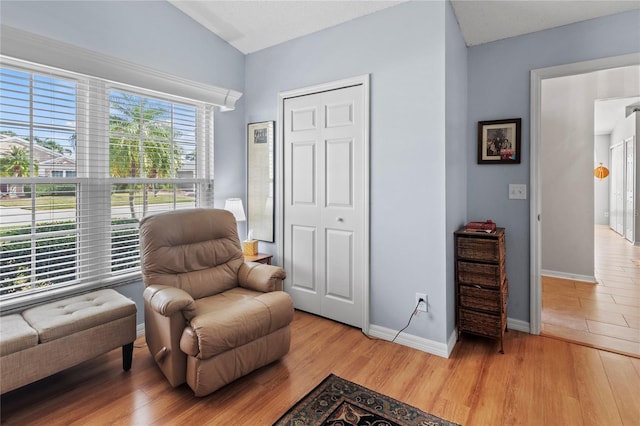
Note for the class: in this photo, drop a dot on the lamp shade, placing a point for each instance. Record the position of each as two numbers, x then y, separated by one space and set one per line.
601 172
234 205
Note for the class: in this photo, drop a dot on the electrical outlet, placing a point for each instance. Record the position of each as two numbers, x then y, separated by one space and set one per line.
422 306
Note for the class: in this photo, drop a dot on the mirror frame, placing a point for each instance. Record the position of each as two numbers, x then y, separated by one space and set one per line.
261 181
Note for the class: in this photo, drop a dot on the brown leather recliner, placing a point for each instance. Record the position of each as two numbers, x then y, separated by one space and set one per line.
209 316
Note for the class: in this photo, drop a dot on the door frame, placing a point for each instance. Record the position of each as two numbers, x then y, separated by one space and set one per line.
630 141
362 80
535 208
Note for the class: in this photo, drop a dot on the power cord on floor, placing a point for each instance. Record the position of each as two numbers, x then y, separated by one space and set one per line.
415 310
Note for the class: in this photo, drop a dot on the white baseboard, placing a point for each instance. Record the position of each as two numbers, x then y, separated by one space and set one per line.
564 275
431 346
453 339
415 342
140 330
518 325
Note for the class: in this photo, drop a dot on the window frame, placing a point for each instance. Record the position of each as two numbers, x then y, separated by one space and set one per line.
94 175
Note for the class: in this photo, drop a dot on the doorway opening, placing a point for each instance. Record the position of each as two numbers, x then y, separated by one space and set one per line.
537 218
605 315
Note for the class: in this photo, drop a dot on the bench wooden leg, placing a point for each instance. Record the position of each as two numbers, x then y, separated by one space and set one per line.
127 356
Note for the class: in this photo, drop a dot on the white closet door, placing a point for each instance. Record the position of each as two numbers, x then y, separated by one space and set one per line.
323 143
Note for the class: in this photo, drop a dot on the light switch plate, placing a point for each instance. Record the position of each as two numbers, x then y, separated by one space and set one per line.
517 191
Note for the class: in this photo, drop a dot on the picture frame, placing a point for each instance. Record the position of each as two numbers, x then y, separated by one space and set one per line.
499 141
260 180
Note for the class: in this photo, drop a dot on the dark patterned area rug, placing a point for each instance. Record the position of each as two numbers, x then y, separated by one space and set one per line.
339 402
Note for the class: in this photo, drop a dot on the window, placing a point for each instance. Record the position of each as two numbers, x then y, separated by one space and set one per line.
82 160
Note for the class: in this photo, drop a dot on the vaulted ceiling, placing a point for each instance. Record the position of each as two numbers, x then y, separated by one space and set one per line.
250 26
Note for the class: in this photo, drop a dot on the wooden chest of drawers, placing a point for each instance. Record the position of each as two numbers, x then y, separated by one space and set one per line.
481 283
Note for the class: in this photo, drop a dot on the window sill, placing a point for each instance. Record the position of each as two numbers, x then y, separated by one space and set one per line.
21 302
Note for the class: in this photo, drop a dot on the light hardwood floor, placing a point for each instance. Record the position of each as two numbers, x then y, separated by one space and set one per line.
604 315
537 381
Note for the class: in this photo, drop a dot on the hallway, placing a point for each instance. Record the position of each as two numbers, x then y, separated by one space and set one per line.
604 316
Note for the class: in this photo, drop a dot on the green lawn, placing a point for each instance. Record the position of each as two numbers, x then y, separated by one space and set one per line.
58 202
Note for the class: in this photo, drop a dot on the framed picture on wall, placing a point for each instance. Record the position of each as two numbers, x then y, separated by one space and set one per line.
499 141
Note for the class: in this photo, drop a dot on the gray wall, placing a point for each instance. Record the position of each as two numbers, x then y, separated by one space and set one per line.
403 48
457 144
157 35
152 33
499 87
567 191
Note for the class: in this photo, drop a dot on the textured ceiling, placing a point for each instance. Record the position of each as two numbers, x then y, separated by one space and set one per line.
484 21
250 26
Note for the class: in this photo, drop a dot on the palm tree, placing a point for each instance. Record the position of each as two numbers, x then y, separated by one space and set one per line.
141 143
16 162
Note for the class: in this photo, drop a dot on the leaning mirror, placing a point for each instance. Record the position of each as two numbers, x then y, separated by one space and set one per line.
260 180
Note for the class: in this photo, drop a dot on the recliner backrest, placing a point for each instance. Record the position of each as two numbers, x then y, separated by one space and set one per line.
196 250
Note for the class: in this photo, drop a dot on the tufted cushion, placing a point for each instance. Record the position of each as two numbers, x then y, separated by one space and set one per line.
68 316
196 250
16 334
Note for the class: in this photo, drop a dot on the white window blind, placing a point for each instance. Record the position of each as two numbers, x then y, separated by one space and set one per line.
82 161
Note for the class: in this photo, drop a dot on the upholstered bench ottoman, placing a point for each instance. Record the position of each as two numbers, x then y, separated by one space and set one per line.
49 338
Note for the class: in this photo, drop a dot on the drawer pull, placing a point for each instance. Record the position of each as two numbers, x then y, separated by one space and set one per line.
476 286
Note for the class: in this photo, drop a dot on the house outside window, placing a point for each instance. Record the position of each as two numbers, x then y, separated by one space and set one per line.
82 160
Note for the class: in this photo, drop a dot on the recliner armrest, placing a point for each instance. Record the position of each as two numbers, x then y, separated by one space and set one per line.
261 277
168 300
